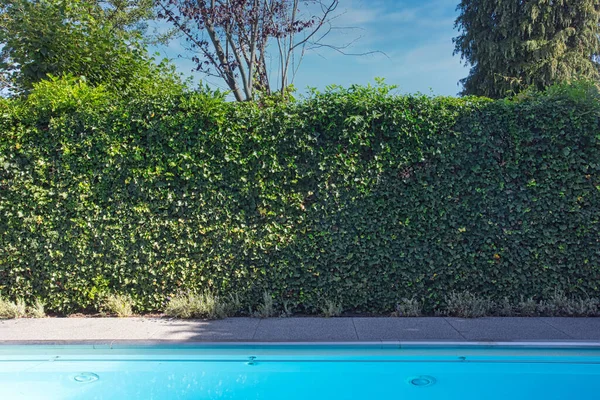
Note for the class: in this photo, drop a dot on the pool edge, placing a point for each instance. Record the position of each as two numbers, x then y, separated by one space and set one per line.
572 344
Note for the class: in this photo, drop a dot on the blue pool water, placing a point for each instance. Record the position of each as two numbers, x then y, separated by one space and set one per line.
307 372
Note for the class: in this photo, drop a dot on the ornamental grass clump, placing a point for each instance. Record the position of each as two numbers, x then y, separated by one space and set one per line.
408 308
10 309
559 305
201 305
37 310
468 305
505 308
527 307
118 304
331 308
267 308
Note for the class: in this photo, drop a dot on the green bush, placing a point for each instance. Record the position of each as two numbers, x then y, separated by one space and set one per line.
351 194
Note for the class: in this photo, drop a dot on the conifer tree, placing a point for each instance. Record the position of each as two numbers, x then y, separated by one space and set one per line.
515 44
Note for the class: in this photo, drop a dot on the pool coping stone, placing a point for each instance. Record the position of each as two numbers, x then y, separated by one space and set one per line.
305 330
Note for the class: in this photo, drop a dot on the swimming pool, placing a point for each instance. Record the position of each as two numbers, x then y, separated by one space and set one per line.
300 371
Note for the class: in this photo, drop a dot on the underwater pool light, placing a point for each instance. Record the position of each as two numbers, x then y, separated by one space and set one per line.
86 377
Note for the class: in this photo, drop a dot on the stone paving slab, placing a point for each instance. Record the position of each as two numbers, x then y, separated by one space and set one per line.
57 329
577 328
299 329
369 329
230 329
506 329
306 330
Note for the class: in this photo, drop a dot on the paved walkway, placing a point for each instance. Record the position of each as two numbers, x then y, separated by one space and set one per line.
301 329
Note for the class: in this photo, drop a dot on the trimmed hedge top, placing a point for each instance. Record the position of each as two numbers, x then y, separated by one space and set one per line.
353 195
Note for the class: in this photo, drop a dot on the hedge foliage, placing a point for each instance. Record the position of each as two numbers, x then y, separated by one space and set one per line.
353 196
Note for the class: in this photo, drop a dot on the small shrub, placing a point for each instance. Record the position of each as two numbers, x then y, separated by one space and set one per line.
585 308
331 309
287 309
439 313
118 304
505 308
37 310
560 305
527 307
9 309
234 305
203 305
267 308
468 305
408 308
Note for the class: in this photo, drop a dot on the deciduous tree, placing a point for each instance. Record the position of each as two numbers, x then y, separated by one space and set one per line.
98 40
234 39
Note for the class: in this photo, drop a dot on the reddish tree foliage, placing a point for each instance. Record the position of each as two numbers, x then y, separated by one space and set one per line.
230 38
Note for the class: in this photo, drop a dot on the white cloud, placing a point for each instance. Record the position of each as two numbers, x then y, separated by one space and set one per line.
408 15
429 66
357 17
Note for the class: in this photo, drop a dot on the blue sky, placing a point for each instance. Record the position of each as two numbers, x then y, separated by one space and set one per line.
416 37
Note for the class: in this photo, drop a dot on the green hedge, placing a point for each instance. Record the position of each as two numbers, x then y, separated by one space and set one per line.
353 195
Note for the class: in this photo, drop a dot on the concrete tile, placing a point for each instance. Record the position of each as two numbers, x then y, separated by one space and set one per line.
577 328
306 329
230 329
300 329
405 329
506 329
78 329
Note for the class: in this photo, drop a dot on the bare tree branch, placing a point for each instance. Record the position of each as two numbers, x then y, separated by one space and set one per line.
240 32
326 13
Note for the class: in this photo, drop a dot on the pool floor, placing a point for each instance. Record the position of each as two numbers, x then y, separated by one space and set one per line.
293 372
